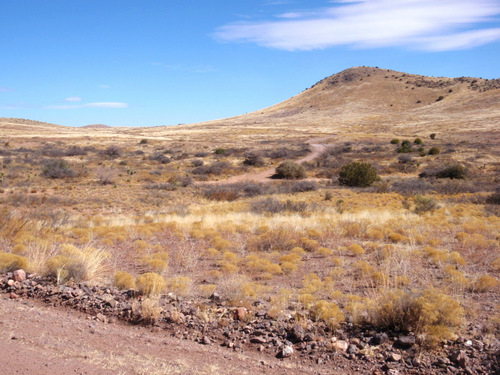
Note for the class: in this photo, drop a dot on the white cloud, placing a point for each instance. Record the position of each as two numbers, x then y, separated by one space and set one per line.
425 24
73 99
107 105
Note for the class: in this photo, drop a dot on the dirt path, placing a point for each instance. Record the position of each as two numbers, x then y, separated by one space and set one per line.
317 148
39 339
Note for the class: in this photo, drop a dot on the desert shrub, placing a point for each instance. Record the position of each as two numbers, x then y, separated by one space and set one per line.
113 151
57 168
124 280
220 151
76 151
394 141
494 198
254 159
404 148
197 162
274 206
150 283
201 154
455 171
11 262
327 312
434 150
222 193
303 186
358 174
216 168
411 187
290 170
106 176
432 136
485 284
143 141
418 141
424 204
160 157
432 315
162 186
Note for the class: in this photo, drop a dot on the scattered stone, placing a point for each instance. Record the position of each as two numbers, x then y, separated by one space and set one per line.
352 349
13 295
215 296
19 275
341 345
102 318
286 352
296 334
206 340
258 340
240 313
379 339
10 282
460 358
394 357
405 342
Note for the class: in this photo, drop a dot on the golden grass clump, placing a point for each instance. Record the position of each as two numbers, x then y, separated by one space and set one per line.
11 262
356 250
180 285
432 315
87 264
123 280
328 312
485 284
206 290
150 283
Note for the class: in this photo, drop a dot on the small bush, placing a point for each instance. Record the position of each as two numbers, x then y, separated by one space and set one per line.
160 157
303 186
254 159
424 204
113 151
124 280
197 162
455 171
358 174
434 150
494 198
356 249
57 168
432 136
150 283
106 176
395 141
418 141
222 193
220 151
143 141
11 262
290 170
327 312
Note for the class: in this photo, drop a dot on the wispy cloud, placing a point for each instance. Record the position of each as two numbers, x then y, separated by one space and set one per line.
73 99
423 24
107 105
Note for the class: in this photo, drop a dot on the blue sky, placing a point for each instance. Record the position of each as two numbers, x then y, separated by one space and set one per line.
164 62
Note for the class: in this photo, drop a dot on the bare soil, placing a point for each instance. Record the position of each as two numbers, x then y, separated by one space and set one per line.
40 339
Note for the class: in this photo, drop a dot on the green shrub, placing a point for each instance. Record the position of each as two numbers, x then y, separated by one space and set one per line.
11 262
434 151
494 198
432 136
424 204
418 141
290 170
455 171
358 174
150 283
220 151
395 141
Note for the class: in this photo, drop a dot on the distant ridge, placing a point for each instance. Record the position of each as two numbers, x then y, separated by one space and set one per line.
97 126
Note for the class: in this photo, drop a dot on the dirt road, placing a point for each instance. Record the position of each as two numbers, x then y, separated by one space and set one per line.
317 148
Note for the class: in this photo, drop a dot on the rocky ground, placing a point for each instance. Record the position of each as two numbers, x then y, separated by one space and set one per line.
86 329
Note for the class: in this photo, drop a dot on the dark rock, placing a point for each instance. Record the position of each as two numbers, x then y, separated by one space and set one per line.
352 349
296 334
405 342
379 339
460 358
